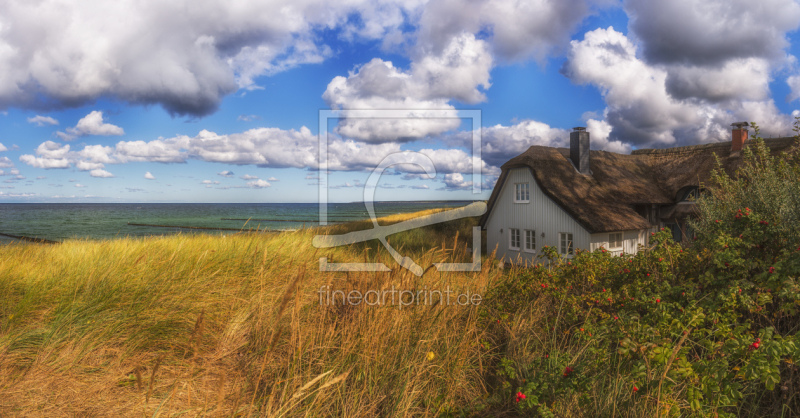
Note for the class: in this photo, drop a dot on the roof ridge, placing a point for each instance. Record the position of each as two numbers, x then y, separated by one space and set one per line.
702 147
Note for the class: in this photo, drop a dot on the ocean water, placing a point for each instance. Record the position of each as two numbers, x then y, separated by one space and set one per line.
58 221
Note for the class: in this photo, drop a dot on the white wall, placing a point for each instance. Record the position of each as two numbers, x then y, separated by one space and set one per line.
630 241
541 214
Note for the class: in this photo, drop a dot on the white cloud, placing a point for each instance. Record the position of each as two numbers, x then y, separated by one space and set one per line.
794 85
642 112
3 147
91 124
272 179
209 182
5 162
42 120
100 173
712 32
79 185
44 162
159 54
226 173
517 29
149 176
258 184
460 71
248 177
248 118
86 166
41 178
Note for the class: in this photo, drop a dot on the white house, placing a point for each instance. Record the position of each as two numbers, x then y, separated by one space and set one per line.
577 198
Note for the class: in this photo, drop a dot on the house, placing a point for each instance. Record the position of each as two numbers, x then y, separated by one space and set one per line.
577 198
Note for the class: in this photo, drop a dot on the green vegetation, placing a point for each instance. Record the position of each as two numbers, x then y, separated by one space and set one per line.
199 325
705 330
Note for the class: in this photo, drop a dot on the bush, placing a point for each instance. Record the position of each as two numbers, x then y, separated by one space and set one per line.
708 329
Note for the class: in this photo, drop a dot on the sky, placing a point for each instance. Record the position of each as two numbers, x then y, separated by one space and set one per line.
220 101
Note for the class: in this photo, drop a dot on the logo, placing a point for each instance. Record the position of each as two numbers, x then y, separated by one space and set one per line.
381 232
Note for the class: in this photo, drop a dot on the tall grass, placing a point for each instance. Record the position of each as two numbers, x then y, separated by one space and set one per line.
202 325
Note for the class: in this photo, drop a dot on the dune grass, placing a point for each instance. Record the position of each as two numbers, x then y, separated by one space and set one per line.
204 325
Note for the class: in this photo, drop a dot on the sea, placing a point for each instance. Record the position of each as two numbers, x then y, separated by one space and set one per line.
59 221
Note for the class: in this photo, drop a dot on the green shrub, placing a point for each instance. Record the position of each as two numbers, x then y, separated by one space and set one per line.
708 329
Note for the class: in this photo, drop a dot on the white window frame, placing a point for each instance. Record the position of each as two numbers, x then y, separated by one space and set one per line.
522 192
532 234
611 241
511 233
570 250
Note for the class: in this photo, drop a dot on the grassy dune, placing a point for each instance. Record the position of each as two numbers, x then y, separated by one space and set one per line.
200 325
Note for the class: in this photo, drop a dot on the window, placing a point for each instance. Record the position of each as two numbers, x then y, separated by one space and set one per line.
522 193
615 241
513 239
566 243
530 240
677 235
690 194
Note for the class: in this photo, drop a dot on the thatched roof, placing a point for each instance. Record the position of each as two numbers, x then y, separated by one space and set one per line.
604 201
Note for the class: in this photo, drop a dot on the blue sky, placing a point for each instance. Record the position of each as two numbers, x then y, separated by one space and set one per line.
144 102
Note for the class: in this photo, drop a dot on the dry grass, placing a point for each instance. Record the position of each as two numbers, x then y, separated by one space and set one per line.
200 325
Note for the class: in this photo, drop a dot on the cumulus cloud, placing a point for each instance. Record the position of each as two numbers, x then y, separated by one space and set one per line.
794 86
517 29
461 71
91 124
159 54
209 182
248 177
641 110
79 185
3 147
39 162
87 166
149 176
42 120
712 32
258 184
226 173
272 179
263 147
100 173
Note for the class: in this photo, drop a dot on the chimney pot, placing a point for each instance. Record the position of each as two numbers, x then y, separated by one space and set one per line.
739 135
579 149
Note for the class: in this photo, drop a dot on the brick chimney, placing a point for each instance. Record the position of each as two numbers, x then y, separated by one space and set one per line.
579 149
739 135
